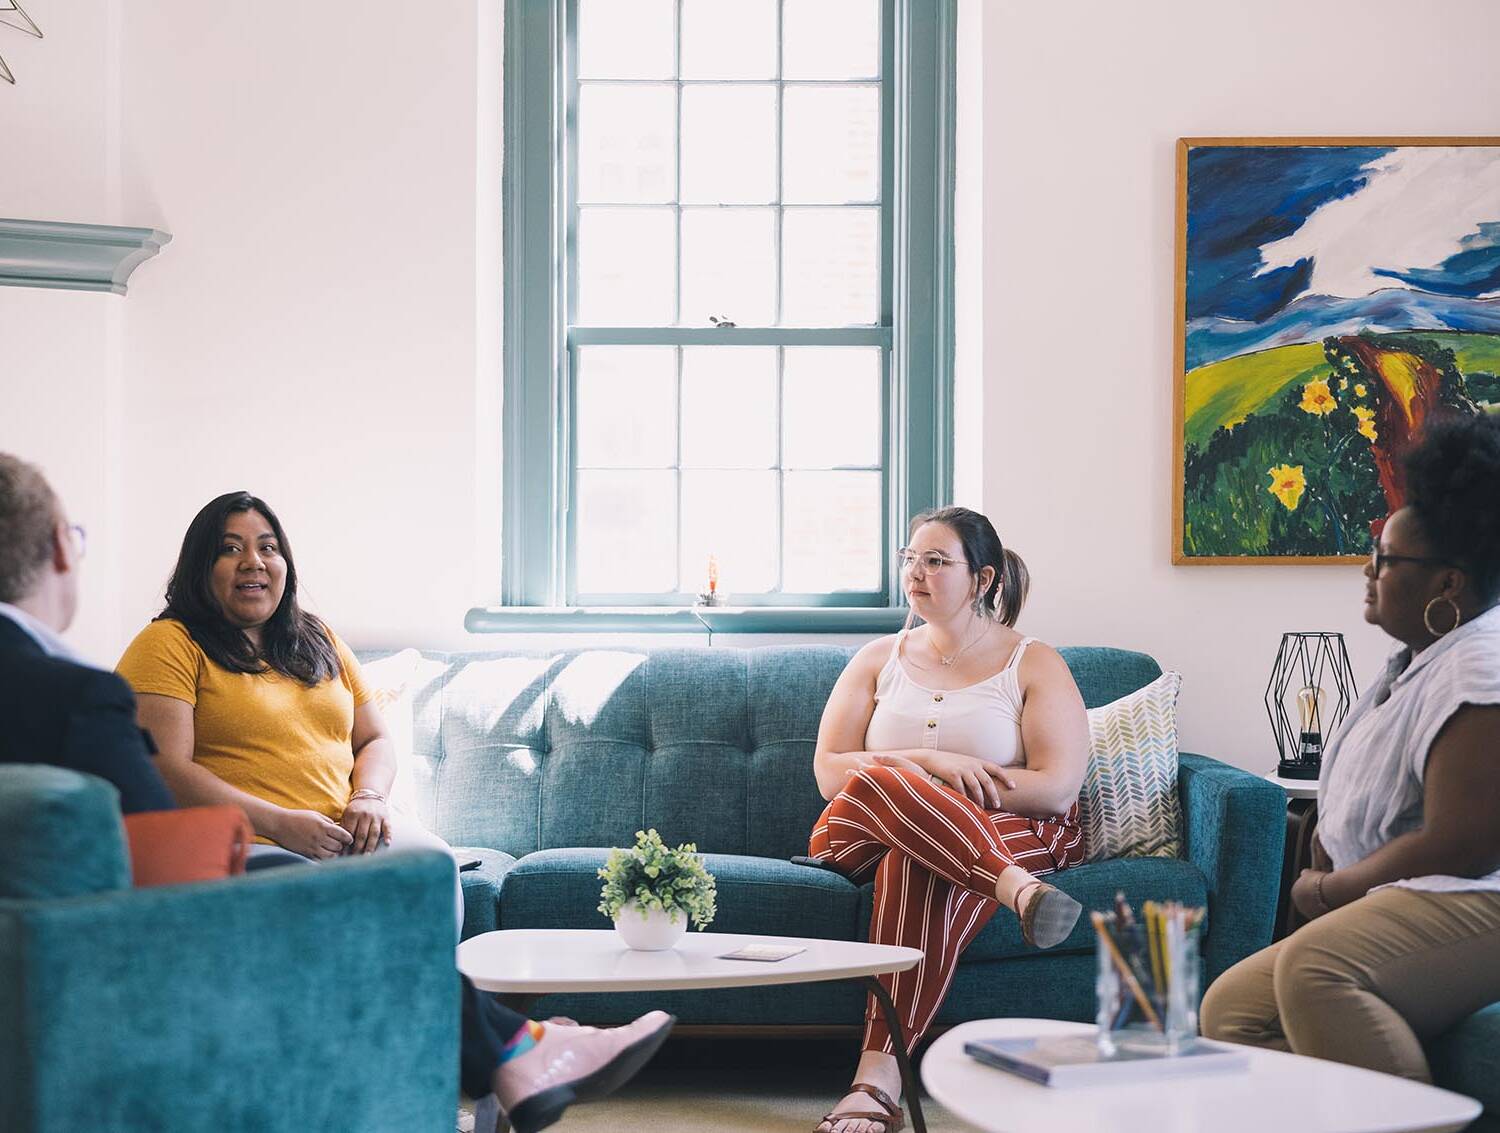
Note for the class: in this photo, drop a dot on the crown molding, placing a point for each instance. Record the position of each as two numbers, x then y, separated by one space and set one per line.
77 257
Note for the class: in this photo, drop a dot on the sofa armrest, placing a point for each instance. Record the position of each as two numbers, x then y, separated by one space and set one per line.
323 997
1234 829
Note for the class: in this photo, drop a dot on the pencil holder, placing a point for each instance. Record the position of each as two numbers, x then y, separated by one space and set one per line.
1148 984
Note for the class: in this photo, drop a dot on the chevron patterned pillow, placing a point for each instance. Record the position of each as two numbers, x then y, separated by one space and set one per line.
1129 805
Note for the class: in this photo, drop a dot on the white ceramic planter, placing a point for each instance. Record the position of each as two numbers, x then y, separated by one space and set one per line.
654 932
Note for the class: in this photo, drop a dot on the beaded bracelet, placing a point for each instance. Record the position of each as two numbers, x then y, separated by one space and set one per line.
1318 892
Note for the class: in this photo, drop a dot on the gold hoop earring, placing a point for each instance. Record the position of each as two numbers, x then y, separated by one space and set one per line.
1427 616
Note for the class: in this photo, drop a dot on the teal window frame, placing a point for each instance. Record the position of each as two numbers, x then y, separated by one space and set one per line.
915 328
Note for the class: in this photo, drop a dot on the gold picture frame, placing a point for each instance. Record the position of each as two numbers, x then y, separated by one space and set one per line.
1291 294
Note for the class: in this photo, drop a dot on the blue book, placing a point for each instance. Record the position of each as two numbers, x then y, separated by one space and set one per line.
1075 1060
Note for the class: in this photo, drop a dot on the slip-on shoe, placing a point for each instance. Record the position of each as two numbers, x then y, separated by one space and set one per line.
574 1064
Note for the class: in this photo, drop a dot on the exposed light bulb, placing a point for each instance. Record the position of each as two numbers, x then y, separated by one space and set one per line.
1310 710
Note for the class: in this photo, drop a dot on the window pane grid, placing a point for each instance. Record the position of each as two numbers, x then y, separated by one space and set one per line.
786 468
779 84
686 575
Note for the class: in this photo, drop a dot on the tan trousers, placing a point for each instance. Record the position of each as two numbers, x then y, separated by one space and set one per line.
1368 983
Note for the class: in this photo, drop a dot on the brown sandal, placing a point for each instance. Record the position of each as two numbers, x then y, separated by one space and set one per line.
891 1116
1049 919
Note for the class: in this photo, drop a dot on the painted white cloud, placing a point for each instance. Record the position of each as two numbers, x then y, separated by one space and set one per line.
1419 203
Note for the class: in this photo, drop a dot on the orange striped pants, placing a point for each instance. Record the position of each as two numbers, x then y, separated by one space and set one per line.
935 857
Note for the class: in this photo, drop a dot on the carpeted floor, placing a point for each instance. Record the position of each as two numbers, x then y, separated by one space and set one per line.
734 1085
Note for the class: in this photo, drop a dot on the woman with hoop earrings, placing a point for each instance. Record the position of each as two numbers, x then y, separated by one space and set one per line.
952 755
1403 938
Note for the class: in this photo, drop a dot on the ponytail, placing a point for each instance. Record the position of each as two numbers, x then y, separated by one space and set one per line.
1015 582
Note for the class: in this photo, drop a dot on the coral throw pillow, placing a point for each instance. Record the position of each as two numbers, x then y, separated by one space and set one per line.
1129 806
203 843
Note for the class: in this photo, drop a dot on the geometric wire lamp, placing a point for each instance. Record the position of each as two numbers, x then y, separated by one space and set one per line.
1312 684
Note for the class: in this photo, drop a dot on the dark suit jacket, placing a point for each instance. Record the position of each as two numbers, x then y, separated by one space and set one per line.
54 711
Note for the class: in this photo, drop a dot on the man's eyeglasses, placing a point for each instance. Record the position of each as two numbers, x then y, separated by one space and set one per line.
80 538
1378 559
932 561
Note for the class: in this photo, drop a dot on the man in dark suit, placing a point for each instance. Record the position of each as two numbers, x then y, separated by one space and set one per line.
55 708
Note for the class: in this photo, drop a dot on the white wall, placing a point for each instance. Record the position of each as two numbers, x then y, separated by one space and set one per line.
314 332
323 328
1083 104
60 362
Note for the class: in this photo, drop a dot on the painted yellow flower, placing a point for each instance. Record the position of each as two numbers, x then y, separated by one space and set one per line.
1359 389
1287 485
1343 384
1317 399
1366 425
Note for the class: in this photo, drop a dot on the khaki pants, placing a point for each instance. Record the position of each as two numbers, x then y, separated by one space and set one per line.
1368 983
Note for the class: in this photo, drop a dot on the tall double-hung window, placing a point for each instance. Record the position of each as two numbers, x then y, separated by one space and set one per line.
728 316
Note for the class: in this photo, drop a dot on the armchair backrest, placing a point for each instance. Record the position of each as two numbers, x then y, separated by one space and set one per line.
60 833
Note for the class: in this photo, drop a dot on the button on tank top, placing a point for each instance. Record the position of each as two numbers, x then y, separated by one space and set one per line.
982 720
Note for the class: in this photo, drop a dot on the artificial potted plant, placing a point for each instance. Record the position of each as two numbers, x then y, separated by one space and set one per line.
651 892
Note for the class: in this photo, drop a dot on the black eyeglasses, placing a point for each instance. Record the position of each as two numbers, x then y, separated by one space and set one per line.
1379 558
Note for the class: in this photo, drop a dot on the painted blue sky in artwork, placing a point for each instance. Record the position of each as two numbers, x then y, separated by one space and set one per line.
1288 243
1241 197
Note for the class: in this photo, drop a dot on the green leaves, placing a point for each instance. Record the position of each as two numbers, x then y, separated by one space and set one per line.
656 877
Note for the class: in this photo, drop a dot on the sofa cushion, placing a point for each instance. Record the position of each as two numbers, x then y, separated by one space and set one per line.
481 886
765 896
528 752
60 833
1094 887
1129 805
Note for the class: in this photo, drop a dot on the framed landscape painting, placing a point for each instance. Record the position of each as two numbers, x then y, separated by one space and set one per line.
1334 296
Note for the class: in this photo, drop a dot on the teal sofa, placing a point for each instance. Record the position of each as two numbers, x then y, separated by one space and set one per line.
279 1002
536 763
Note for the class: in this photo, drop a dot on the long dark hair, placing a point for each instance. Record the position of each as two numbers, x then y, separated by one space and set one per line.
293 642
1006 593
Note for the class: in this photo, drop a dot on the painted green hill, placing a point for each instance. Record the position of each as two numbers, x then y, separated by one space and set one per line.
1226 392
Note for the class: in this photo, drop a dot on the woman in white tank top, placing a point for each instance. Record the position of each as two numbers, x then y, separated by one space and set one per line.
952 756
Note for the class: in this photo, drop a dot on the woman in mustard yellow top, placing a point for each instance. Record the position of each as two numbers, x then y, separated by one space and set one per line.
252 701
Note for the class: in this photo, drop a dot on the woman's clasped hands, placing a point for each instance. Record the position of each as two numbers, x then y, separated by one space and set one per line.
978 780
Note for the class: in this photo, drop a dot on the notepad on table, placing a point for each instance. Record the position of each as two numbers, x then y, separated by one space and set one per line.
763 952
1075 1060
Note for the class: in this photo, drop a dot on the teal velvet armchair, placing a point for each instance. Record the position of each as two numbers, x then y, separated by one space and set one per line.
279 1002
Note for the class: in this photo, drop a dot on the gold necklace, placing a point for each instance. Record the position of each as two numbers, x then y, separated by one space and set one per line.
947 662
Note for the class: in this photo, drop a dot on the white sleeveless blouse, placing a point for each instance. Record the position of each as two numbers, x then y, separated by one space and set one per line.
982 720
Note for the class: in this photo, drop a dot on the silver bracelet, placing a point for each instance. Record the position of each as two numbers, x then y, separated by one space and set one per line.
367 793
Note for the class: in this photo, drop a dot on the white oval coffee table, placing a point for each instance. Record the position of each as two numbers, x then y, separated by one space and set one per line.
523 963
1276 1092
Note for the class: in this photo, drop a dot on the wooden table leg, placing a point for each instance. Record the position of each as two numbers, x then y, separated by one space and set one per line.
909 1084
